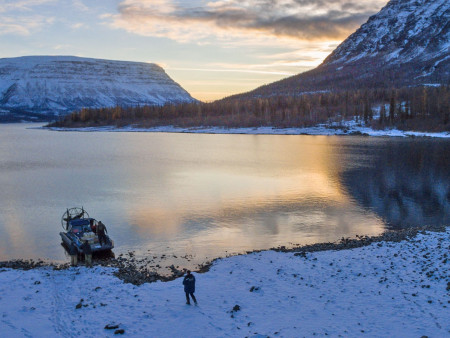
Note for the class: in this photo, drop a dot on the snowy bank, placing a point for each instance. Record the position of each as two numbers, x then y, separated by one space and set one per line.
384 289
349 128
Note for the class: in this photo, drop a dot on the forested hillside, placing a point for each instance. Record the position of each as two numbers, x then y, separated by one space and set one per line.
419 108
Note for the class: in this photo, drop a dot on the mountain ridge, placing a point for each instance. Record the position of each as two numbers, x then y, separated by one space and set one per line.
407 43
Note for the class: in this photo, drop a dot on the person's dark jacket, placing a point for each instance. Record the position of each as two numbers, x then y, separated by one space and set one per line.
86 248
189 283
73 250
101 229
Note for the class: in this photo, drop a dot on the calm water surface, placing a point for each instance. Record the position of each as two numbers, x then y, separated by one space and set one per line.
212 195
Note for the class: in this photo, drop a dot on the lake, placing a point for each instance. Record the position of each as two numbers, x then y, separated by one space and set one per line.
205 196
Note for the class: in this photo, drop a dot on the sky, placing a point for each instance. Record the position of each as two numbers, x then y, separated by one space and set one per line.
212 48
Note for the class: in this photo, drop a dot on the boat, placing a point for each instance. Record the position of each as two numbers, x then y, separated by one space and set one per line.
78 227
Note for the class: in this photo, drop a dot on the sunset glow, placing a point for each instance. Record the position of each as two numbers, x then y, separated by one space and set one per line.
212 48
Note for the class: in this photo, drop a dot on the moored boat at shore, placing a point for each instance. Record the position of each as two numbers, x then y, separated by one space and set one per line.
80 227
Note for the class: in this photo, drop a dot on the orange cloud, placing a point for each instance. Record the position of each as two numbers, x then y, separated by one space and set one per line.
231 19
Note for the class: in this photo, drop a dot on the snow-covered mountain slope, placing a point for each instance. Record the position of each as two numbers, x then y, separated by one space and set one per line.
406 44
60 84
403 31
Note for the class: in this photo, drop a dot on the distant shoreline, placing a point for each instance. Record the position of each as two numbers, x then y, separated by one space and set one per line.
349 129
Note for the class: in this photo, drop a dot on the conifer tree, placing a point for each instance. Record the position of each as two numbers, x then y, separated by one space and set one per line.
382 114
391 109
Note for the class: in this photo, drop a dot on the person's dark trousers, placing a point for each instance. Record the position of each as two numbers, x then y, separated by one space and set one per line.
193 298
102 239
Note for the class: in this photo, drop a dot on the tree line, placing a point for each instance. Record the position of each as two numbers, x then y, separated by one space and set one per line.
417 108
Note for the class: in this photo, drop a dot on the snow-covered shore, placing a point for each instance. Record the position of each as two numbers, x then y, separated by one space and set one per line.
384 289
351 127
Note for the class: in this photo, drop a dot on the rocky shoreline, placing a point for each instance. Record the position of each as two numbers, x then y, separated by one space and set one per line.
397 287
137 272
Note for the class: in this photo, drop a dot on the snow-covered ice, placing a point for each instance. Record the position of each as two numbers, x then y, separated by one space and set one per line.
386 289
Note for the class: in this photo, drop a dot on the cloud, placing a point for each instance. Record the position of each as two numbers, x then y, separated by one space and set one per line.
77 25
245 68
22 5
62 47
20 18
227 19
79 5
23 26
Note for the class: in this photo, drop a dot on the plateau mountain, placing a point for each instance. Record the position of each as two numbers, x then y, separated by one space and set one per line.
44 87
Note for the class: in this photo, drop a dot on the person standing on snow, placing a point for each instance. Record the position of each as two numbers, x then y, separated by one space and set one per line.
189 287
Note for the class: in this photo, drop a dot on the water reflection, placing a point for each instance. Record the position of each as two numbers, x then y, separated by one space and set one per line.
407 183
247 192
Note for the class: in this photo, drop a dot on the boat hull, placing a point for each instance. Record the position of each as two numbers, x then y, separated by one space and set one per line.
69 238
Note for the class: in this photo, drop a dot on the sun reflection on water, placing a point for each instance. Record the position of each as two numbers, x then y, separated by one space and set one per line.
211 195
